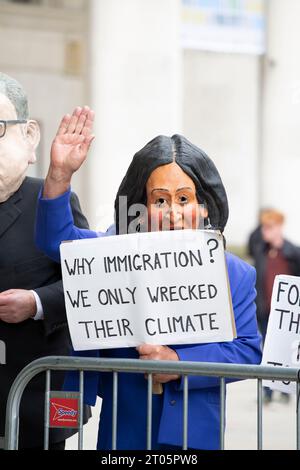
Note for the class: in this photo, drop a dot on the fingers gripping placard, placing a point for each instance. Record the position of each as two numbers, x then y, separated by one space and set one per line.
157 288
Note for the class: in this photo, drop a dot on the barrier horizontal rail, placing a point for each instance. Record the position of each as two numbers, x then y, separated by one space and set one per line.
137 366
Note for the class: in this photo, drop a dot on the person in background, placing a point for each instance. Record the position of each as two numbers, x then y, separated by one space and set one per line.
255 237
272 255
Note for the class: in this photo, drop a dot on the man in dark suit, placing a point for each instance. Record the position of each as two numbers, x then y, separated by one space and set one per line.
32 313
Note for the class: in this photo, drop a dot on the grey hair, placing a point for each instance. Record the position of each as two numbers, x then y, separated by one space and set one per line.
16 95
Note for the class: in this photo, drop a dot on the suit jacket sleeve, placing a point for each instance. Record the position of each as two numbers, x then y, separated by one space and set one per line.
52 296
245 349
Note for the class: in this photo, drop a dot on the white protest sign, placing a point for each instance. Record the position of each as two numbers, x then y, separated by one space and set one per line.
282 343
158 288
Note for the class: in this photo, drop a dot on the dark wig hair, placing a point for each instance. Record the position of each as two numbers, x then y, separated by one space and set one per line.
192 160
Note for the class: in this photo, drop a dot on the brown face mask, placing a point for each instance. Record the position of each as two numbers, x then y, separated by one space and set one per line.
172 201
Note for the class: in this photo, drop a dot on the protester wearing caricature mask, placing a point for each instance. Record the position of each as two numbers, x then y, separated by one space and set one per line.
32 314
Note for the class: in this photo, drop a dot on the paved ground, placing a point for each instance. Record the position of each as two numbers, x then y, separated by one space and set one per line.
279 421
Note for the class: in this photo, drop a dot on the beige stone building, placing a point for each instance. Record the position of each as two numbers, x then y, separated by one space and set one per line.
127 59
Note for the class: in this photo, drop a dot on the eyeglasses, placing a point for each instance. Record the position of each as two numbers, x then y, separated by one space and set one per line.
4 124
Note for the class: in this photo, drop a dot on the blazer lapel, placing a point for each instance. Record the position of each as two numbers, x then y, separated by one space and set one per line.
9 212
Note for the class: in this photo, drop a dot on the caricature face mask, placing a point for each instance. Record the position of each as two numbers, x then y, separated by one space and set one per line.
17 150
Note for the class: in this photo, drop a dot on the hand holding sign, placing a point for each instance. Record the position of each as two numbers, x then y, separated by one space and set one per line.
150 352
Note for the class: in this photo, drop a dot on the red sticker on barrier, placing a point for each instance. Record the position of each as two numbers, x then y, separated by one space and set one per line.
64 412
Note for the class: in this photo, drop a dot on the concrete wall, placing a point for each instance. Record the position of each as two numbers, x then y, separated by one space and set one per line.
281 162
135 83
221 115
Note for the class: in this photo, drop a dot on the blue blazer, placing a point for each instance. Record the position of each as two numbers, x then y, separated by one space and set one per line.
55 224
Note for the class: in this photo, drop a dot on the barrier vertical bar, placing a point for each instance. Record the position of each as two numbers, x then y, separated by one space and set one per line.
185 412
222 414
47 410
81 392
115 411
259 415
149 412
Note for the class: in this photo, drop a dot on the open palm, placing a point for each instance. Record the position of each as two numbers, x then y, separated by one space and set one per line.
72 142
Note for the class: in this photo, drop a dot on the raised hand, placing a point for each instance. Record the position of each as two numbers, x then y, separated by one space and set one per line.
69 150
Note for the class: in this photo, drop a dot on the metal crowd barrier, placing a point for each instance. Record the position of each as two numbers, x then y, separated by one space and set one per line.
185 369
